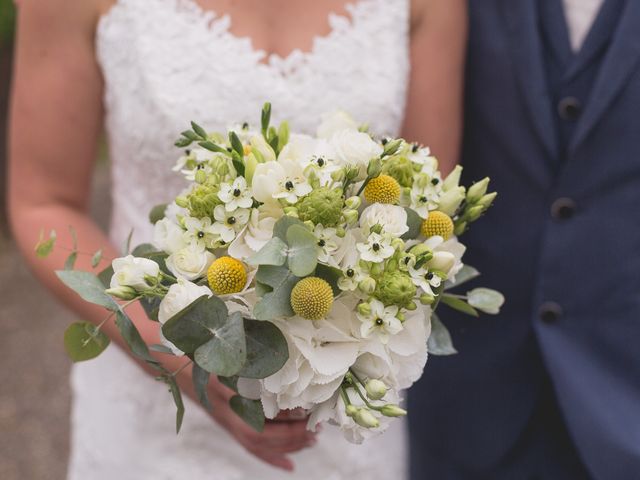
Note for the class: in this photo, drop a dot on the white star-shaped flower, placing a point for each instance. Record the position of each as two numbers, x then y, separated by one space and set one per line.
235 195
382 321
376 250
200 231
228 224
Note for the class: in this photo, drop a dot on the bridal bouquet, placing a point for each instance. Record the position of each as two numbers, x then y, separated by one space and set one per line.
304 272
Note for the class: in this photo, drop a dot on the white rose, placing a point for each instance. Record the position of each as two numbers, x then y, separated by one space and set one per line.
131 271
356 149
179 296
391 218
265 181
303 148
190 262
168 236
335 122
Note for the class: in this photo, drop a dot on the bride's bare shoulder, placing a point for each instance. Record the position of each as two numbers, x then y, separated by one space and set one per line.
67 14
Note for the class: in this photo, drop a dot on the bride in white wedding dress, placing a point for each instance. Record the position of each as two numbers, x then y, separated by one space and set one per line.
151 66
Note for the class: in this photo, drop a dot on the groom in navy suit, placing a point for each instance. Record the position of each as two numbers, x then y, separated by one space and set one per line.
550 388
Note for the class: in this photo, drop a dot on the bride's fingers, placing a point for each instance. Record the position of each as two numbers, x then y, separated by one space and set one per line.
295 414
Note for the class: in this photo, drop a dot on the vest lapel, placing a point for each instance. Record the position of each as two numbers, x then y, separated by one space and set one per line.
526 51
619 63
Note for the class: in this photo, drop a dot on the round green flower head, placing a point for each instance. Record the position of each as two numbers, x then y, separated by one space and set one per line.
202 200
395 288
400 168
322 206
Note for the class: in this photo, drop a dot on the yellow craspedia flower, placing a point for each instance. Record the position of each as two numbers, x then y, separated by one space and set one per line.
312 298
437 223
226 275
382 189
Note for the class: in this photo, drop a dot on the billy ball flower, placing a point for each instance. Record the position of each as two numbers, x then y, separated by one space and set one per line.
437 223
322 206
382 189
226 275
312 298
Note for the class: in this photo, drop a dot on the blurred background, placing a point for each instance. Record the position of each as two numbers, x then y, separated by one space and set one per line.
34 389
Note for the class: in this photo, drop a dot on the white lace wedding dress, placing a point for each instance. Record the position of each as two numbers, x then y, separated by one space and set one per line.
166 62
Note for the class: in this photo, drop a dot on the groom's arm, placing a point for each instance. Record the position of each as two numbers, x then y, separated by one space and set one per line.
434 103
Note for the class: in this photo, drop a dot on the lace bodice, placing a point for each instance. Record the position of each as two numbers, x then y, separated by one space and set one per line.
166 62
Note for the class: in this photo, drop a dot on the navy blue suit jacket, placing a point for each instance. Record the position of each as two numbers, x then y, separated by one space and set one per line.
470 411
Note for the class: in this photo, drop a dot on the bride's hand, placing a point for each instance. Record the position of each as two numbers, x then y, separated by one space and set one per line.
285 434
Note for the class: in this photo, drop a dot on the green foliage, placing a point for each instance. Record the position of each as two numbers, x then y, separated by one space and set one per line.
132 337
277 302
459 304
226 352
84 341
157 213
267 349
486 300
414 222
174 389
96 258
250 411
439 342
302 255
273 253
45 247
200 379
89 287
466 274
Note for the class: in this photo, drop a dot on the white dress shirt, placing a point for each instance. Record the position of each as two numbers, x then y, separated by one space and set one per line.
580 16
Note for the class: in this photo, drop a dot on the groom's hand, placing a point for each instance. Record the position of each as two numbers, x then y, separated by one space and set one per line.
285 434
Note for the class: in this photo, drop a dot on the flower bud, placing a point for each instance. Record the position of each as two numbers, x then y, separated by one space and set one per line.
411 306
460 228
122 292
309 224
338 175
442 261
377 269
474 213
477 190
182 202
340 232
200 176
374 168
393 411
377 228
260 144
376 389
152 281
364 309
353 202
451 200
250 164
453 179
365 418
487 200
392 147
368 285
350 216
401 316
427 299
351 410
397 243
291 212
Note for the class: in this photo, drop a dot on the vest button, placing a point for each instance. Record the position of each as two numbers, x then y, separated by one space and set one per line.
569 108
563 208
550 312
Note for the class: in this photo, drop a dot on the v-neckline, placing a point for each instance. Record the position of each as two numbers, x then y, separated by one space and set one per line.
270 59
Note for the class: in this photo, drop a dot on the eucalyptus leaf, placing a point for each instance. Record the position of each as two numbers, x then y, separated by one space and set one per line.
486 300
250 411
303 250
45 247
414 222
174 389
84 341
132 337
229 382
331 275
96 258
459 304
89 287
157 213
226 352
440 342
105 276
267 349
200 379
466 274
195 325
273 253
276 303
71 260
151 306
126 248
74 238
282 226
157 347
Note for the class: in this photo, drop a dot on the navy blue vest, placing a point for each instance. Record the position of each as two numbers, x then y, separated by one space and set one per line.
550 388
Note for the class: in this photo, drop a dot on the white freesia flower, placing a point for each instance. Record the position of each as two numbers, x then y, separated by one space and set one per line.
235 195
260 144
168 236
376 250
382 321
335 122
200 231
179 296
450 266
190 262
228 224
356 149
131 271
391 218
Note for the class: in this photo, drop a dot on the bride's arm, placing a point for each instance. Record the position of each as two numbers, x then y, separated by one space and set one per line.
55 124
434 103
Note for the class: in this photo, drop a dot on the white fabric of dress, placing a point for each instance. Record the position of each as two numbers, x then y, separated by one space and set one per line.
166 62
